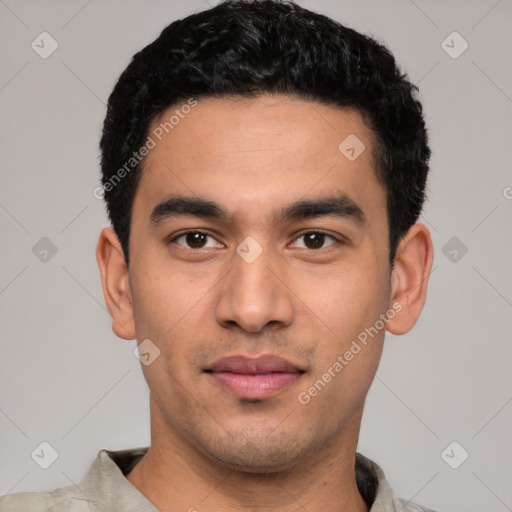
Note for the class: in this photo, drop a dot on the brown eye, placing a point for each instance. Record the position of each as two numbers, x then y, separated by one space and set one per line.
196 240
314 240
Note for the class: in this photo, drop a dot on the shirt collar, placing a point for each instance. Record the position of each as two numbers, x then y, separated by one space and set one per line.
106 486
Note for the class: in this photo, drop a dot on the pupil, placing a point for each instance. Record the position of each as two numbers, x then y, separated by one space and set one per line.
314 240
196 240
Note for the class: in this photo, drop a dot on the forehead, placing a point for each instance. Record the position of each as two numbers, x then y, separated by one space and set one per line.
260 152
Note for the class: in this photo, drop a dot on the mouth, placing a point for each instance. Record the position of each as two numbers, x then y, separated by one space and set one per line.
254 378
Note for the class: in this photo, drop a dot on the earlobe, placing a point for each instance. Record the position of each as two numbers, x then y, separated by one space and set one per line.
409 280
115 281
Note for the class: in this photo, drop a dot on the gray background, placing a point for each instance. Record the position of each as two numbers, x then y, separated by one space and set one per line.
67 380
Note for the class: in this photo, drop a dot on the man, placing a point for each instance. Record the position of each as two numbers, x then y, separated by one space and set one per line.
263 168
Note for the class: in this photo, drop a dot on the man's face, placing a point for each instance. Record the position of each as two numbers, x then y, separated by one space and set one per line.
286 255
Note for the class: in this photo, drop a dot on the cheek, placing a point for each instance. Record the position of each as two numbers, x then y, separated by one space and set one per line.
165 294
347 299
348 305
173 309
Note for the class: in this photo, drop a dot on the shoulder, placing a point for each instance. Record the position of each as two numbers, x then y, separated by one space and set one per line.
103 484
30 501
64 499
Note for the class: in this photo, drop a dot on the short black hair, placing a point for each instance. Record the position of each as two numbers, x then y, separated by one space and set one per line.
246 48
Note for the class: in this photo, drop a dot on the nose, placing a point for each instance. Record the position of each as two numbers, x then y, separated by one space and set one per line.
254 296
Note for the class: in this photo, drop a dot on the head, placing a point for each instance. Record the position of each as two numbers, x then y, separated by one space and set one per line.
264 168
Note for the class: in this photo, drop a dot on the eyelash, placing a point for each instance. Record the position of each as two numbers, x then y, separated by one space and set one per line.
315 231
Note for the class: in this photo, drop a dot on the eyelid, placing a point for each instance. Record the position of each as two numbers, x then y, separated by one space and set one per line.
338 239
175 236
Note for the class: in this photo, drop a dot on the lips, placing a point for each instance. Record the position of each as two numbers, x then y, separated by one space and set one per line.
254 378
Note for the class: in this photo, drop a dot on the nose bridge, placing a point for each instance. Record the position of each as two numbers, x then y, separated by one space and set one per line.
252 296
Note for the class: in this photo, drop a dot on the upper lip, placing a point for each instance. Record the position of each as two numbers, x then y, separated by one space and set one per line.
253 365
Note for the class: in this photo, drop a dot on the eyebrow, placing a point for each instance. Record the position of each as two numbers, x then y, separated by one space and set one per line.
334 206
178 206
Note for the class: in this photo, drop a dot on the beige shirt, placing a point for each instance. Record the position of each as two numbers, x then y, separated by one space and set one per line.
105 489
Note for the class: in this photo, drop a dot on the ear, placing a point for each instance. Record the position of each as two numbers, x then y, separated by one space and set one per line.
409 279
115 281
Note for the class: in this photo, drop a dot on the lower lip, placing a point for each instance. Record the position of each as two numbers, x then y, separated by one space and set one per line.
255 387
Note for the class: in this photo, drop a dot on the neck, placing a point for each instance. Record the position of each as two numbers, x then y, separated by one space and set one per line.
175 476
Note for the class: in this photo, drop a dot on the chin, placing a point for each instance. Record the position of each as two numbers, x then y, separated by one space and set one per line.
256 454
255 461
